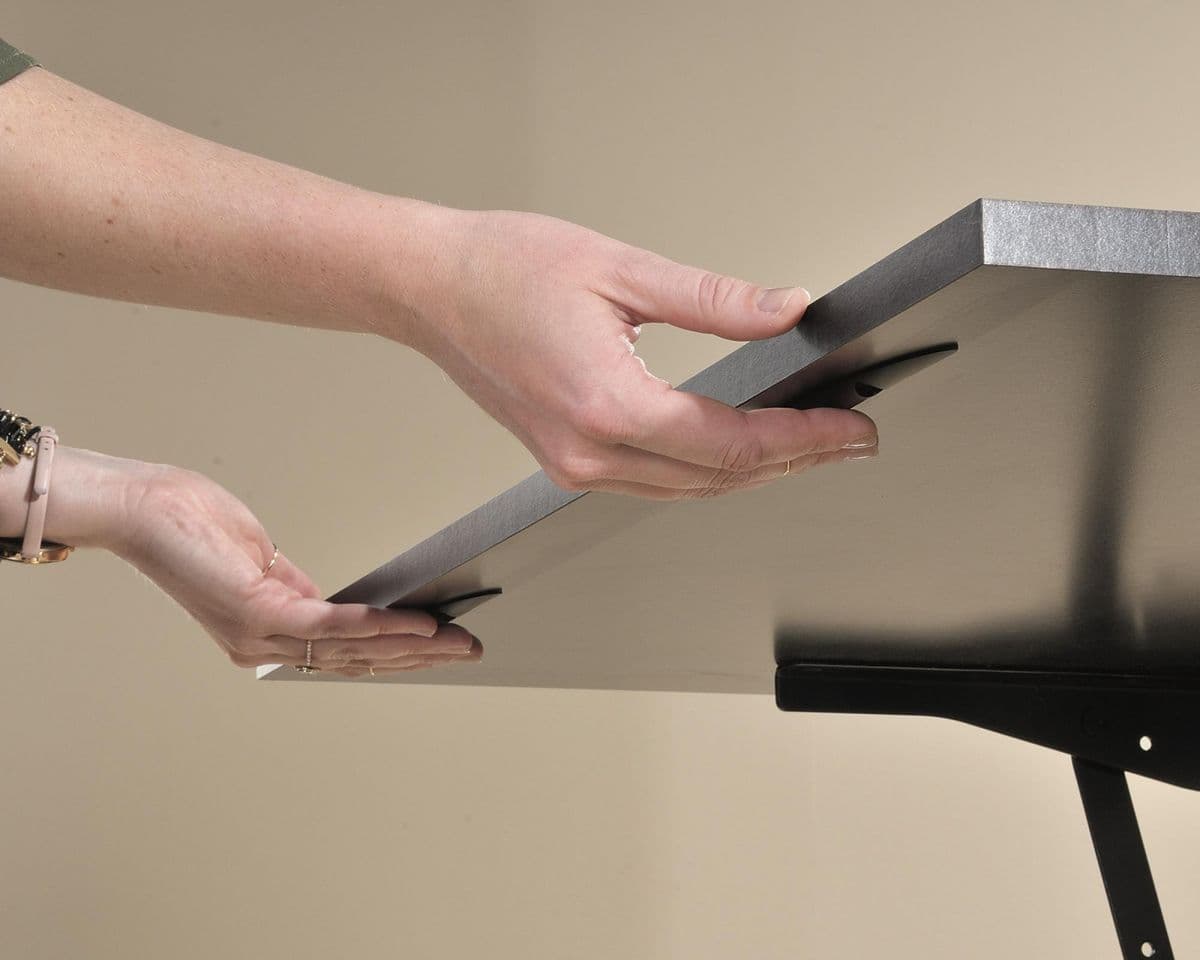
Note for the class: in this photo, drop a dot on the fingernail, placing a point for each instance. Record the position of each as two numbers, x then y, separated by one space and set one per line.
862 442
775 299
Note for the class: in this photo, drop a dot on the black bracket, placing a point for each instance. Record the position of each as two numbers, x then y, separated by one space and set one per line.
451 608
1108 723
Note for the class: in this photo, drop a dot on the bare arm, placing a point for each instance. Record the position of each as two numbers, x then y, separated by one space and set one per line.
534 317
98 199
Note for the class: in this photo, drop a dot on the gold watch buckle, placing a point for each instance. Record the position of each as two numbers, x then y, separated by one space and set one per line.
51 552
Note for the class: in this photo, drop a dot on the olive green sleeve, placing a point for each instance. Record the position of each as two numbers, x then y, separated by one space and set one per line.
13 61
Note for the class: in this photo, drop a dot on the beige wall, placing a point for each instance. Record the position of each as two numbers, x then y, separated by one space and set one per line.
154 802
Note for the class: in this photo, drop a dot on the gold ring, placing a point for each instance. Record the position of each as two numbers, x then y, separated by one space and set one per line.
787 469
307 666
273 559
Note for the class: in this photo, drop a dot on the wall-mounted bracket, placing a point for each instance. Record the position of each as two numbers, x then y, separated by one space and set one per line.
1108 724
850 389
454 607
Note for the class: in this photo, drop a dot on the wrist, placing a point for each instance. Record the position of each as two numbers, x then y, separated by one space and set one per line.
91 501
419 247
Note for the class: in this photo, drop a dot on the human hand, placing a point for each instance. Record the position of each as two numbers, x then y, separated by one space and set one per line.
537 322
207 551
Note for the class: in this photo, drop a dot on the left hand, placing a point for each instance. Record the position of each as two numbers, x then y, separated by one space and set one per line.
207 551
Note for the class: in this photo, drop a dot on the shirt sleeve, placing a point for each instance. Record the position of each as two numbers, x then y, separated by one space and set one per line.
13 61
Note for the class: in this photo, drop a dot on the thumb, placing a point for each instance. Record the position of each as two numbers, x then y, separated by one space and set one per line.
659 290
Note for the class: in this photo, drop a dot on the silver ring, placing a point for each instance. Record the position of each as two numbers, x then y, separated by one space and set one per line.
307 666
787 469
273 559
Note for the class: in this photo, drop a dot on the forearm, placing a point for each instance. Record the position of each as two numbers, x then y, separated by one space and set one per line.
98 199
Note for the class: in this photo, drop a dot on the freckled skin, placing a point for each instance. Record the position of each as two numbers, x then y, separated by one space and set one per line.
227 232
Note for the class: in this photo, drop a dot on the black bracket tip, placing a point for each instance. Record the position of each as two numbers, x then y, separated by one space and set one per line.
450 609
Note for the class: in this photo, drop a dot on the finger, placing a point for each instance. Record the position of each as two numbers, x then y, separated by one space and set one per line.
700 430
646 491
449 640
384 669
388 671
355 672
291 575
660 290
310 618
778 470
365 664
623 462
473 652
361 668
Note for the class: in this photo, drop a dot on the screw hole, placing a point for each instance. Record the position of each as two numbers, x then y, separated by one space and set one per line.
1147 949
1146 744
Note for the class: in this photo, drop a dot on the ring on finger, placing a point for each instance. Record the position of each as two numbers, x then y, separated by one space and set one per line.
307 666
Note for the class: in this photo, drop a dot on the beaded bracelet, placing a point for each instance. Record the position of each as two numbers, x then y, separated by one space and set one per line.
22 438
18 437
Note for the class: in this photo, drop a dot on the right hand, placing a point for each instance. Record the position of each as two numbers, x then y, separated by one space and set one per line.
537 319
207 551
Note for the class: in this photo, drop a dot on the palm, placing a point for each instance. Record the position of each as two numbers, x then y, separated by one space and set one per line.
206 550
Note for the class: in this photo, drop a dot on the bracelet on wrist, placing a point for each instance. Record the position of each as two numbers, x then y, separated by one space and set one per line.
19 437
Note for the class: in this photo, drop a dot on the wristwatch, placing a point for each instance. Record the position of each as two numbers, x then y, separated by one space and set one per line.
32 549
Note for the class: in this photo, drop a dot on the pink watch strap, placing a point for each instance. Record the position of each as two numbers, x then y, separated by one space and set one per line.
35 521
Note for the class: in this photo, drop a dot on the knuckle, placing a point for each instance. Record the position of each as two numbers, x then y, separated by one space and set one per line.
716 491
727 482
576 470
560 480
240 658
247 647
714 292
702 493
742 454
